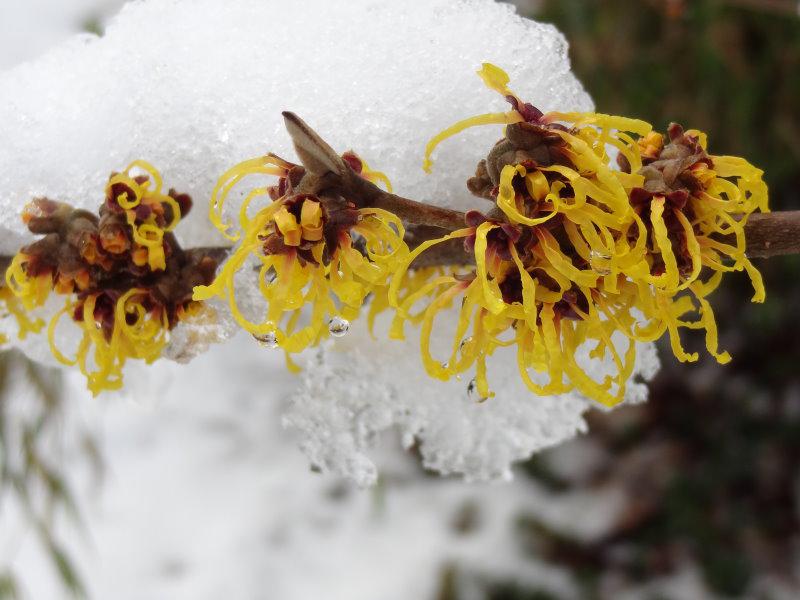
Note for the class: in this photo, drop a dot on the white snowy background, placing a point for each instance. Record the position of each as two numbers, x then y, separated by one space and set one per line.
205 492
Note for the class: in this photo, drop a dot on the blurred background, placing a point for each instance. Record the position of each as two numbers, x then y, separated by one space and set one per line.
705 475
711 461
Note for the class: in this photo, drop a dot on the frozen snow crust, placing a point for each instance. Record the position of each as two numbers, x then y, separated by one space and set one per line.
195 86
358 387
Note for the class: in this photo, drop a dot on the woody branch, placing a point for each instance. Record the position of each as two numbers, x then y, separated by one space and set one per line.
767 234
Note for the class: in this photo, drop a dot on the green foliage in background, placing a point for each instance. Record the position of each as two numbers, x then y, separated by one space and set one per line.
707 64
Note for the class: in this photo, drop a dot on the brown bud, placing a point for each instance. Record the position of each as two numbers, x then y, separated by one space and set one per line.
481 184
81 233
43 215
184 202
63 284
114 233
139 256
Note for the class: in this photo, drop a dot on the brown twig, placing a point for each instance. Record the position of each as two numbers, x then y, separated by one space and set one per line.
410 211
327 173
767 234
773 234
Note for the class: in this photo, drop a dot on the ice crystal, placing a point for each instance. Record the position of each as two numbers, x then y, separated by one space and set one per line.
359 387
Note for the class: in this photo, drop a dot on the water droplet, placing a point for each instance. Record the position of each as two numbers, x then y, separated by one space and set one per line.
270 276
268 340
597 259
472 391
338 326
465 342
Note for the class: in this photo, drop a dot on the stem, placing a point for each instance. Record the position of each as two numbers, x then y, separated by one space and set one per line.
766 234
326 172
366 194
449 253
773 234
417 213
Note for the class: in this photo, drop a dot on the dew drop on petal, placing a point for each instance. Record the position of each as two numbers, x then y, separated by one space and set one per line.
472 391
338 326
597 260
268 340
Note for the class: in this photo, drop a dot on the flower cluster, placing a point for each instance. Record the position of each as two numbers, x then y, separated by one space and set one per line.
321 252
602 233
578 256
126 280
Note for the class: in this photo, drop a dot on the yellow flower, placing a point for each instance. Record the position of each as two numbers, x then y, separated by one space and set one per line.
25 324
126 281
113 332
578 254
29 287
148 211
316 252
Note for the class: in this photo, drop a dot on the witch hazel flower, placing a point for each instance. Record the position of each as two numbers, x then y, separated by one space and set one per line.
125 280
314 249
574 250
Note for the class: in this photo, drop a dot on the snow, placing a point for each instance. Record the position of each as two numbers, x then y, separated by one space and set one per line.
195 86
28 28
359 386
